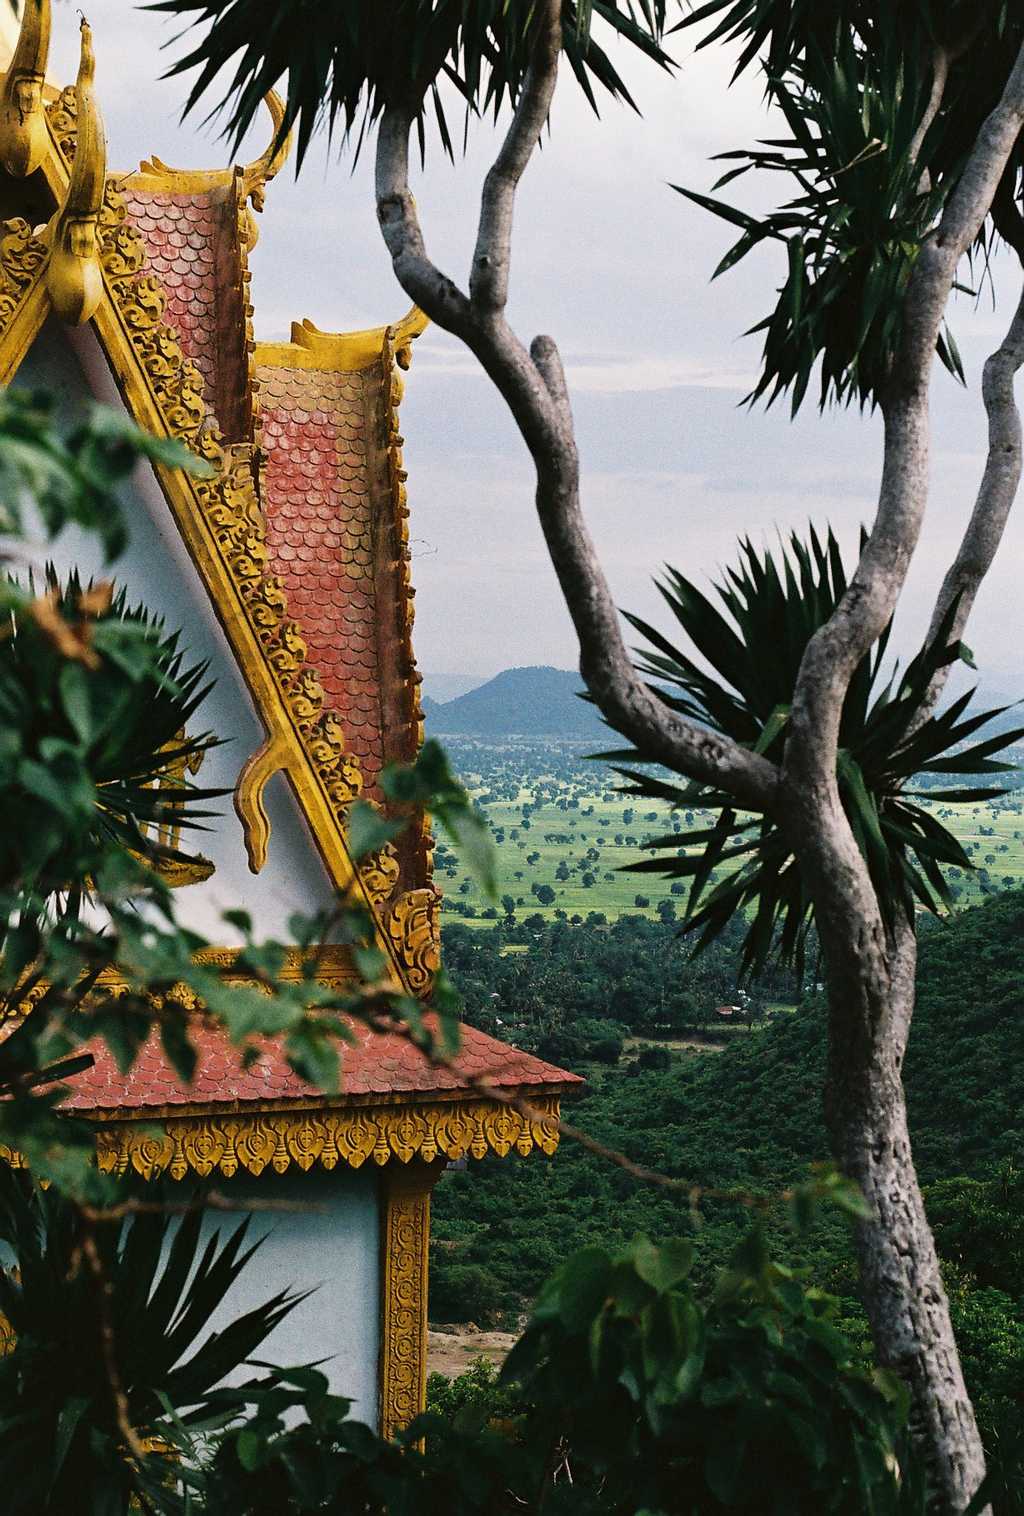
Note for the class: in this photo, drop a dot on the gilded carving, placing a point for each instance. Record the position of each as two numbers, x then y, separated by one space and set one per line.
229 502
62 114
397 355
74 278
405 1241
24 139
323 1138
413 926
22 255
379 874
250 181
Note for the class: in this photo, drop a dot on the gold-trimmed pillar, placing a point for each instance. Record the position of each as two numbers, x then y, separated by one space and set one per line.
405 1245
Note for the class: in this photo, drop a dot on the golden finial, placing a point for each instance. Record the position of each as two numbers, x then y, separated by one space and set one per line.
258 174
74 278
251 180
24 137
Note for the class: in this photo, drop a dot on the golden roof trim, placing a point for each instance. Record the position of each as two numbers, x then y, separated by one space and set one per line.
324 1139
222 525
154 176
340 352
74 279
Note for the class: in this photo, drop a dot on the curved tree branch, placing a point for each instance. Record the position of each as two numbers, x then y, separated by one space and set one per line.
940 77
996 494
835 651
488 280
533 385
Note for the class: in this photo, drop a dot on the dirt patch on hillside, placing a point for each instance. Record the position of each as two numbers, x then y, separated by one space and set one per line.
451 1349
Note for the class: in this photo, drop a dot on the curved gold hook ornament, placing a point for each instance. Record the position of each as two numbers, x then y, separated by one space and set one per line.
252 180
74 278
250 809
24 136
258 174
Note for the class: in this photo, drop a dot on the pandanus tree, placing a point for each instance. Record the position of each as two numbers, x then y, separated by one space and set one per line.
95 699
903 145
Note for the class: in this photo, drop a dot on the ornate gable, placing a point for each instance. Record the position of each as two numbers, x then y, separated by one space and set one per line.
323 467
299 537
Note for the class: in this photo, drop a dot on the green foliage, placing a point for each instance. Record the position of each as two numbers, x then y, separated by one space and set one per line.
978 1225
775 609
95 697
750 1404
465 1292
851 237
477 1397
72 479
430 784
749 1117
990 1335
852 79
625 1393
359 57
79 1297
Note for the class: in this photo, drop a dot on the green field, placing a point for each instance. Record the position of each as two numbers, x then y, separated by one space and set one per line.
559 825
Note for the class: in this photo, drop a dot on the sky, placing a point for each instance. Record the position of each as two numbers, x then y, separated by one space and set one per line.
615 266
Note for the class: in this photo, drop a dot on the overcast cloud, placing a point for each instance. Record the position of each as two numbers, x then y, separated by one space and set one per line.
616 267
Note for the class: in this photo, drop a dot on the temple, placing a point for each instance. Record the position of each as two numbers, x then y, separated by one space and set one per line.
288 570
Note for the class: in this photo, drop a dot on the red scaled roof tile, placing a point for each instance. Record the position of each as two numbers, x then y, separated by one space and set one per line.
180 233
376 1065
320 529
189 248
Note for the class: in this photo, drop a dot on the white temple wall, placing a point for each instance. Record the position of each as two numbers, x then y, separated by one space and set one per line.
159 573
332 1249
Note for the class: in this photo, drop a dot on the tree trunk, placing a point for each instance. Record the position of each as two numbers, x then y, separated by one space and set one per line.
903 1292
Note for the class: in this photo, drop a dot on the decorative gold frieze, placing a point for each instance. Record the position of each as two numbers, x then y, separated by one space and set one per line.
352 1135
229 506
340 352
252 179
379 874
222 524
332 961
22 255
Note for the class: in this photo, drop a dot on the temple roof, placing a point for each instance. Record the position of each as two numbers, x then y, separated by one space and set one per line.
299 536
375 1066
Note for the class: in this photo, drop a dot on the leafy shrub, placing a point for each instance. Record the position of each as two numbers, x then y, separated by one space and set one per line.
462 1291
657 1059
62 1449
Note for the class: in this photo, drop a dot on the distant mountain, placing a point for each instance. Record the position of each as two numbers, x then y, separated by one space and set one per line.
544 702
528 702
441 687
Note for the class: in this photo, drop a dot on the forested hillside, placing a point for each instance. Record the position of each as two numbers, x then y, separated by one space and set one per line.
748 1116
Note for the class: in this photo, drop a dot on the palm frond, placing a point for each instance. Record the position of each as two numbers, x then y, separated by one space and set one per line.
344 64
98 742
739 865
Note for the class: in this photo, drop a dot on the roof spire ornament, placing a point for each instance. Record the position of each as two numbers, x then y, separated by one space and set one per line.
24 136
74 278
258 174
